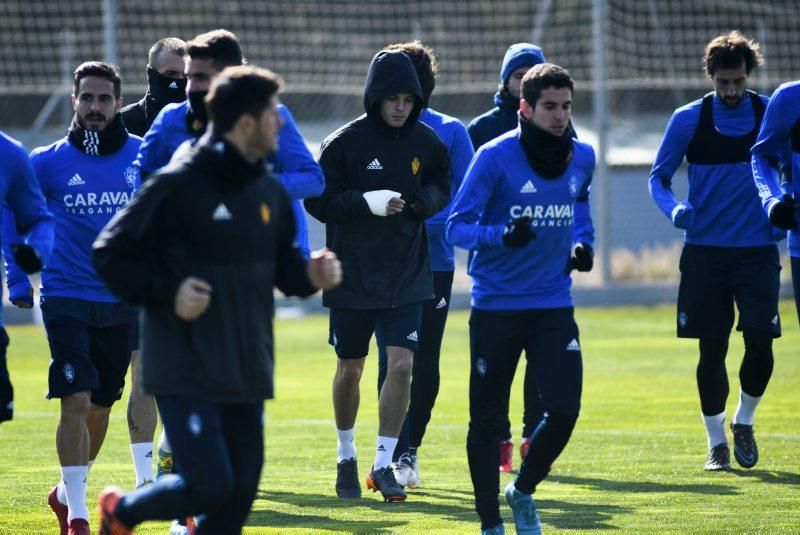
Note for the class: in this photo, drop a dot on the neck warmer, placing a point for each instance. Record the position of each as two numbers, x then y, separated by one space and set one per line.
505 101
101 143
197 118
162 90
547 154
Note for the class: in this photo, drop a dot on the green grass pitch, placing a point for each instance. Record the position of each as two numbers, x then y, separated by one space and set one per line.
634 464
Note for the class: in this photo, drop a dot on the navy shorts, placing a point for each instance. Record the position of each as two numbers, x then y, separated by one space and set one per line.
713 279
90 347
351 329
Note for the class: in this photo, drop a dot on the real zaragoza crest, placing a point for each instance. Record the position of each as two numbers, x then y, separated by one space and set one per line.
415 165
130 176
574 185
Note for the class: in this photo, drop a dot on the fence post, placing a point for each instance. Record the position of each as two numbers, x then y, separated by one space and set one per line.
601 187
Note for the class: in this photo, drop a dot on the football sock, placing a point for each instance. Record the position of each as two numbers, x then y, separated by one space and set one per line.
74 479
142 454
61 493
163 443
746 411
384 451
715 428
347 448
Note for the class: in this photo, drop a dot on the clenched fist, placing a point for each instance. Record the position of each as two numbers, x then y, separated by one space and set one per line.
192 299
324 269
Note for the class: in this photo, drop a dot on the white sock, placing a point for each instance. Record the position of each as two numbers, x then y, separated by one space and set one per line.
347 448
715 428
61 493
74 478
142 454
163 443
384 451
746 411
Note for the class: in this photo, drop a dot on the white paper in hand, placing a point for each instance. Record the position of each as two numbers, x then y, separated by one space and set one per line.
379 199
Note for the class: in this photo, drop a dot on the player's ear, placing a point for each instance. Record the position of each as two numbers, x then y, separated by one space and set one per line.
526 109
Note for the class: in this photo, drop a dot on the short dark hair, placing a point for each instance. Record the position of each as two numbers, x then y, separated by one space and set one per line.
542 76
220 46
172 45
100 69
424 63
730 51
238 91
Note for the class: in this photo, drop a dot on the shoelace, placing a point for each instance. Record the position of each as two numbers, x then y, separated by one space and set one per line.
528 508
745 437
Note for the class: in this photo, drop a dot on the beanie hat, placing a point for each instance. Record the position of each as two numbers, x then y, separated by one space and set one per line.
520 55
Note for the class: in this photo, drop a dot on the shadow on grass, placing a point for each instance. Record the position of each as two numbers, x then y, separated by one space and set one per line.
571 515
769 476
645 486
313 511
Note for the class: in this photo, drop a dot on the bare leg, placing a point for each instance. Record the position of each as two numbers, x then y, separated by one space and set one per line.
142 415
97 425
346 391
72 435
396 391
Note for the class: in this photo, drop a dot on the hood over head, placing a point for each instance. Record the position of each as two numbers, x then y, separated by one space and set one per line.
391 72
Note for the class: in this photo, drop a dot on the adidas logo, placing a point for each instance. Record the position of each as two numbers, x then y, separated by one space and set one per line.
441 304
528 188
221 213
374 165
173 85
76 180
149 454
381 448
574 345
412 336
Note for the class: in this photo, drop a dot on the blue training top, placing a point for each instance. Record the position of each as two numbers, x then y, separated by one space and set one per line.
25 206
83 192
455 137
500 185
722 201
293 164
779 140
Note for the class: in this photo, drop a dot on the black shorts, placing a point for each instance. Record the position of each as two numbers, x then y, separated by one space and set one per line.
714 278
90 347
351 329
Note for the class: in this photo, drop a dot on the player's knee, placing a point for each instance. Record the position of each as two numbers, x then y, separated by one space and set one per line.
349 371
486 428
757 341
400 362
75 405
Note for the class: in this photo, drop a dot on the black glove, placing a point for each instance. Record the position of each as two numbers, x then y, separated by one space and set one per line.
582 257
783 215
518 232
26 258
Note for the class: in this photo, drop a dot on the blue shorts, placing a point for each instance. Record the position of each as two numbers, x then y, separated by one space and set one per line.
713 279
351 329
90 347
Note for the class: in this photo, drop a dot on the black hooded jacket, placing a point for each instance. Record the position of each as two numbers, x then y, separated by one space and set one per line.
208 214
385 260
